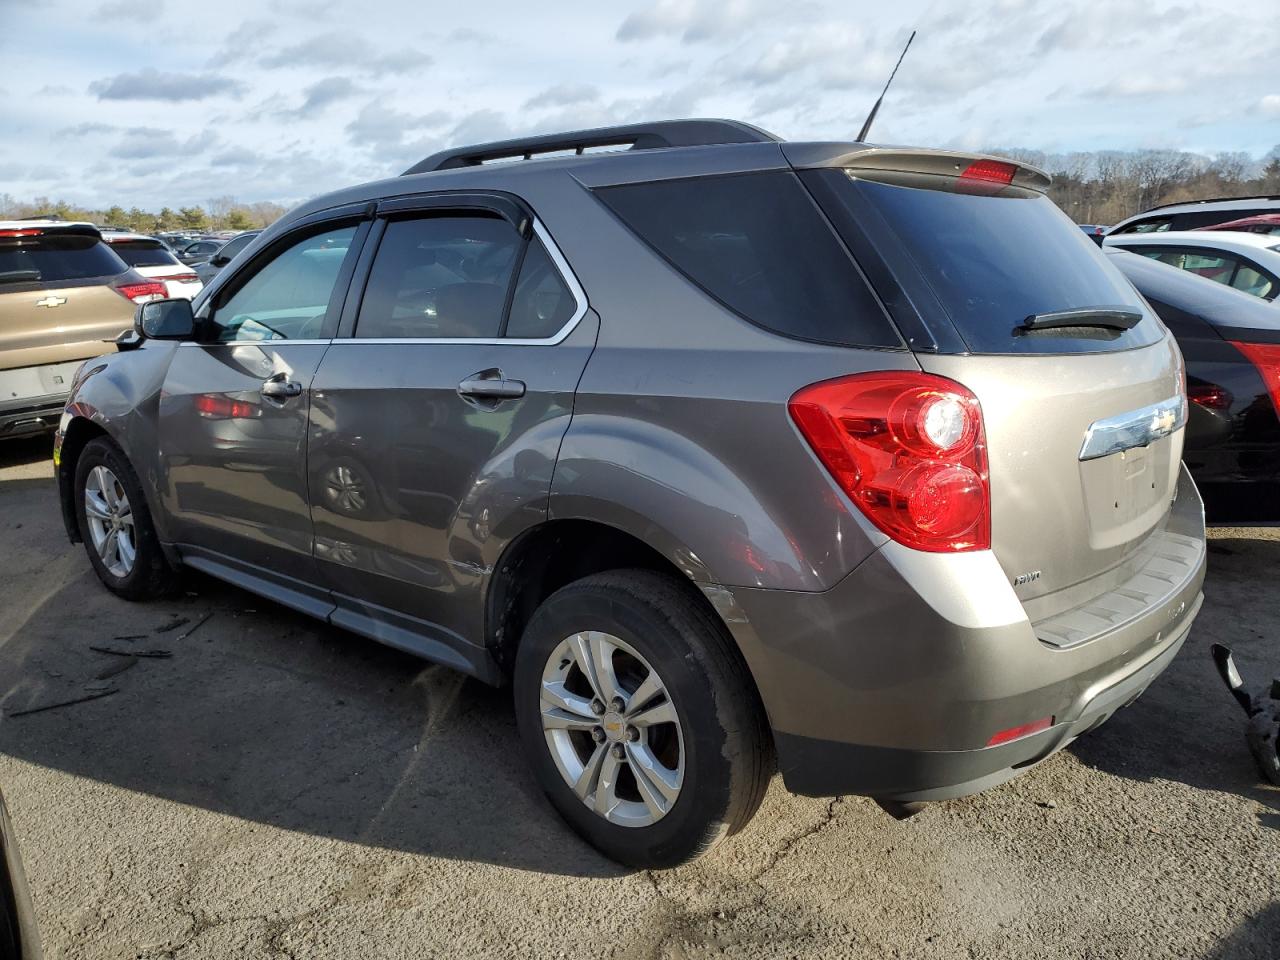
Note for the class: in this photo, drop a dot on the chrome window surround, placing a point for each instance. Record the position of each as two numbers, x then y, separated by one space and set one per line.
566 274
1137 428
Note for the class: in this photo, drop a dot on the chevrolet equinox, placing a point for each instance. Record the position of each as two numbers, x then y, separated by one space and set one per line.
730 454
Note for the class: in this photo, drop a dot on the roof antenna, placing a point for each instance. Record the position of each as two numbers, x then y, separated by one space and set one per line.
871 117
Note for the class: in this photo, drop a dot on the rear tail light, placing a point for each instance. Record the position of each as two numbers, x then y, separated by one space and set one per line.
217 406
909 449
1266 357
142 292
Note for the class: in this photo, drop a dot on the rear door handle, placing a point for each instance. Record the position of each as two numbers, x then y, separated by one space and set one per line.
490 385
281 388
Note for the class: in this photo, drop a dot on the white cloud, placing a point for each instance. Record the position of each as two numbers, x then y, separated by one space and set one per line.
1269 106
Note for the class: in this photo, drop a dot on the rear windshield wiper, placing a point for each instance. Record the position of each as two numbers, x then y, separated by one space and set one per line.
17 276
1114 318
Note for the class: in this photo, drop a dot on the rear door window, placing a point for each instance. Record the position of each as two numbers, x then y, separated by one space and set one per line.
50 258
144 253
440 278
758 244
1215 265
986 263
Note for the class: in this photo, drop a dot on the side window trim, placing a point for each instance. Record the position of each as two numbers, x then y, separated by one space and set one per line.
444 203
311 226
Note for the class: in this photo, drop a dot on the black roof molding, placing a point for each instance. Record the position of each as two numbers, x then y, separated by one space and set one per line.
635 136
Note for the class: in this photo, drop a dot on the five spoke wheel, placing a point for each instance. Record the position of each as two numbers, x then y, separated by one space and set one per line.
110 520
612 729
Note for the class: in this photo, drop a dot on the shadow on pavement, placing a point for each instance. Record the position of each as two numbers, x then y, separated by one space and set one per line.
1186 727
1255 939
27 450
269 716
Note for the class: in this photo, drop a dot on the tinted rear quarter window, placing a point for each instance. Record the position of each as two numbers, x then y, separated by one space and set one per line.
758 244
52 257
993 261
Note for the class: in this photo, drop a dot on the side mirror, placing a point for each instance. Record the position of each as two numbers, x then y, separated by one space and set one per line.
219 261
165 320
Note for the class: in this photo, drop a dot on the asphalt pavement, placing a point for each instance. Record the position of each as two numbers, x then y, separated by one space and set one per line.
275 787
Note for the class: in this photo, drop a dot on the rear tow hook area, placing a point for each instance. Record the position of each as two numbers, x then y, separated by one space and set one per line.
1261 706
899 809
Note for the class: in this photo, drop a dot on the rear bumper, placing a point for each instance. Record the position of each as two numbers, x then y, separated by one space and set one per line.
892 683
34 416
828 768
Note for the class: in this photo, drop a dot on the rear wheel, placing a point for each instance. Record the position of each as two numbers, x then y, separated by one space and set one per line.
642 725
116 526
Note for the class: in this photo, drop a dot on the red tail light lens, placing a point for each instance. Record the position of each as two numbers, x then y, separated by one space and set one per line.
1266 357
909 449
21 233
142 292
217 406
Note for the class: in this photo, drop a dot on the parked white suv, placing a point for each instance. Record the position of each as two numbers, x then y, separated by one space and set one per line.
1246 261
151 258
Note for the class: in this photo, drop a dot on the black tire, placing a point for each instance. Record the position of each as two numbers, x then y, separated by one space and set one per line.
151 576
728 752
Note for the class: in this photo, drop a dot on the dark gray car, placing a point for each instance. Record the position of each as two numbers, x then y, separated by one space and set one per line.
206 270
724 451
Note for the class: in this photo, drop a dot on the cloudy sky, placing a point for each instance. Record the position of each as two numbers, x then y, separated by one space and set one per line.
169 102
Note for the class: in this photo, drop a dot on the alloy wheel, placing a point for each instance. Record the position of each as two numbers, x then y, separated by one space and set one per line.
612 729
110 517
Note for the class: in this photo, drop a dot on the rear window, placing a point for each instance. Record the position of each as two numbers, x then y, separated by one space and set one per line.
991 262
758 244
50 258
144 253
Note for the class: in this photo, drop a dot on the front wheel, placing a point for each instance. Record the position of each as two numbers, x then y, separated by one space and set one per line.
116 526
641 721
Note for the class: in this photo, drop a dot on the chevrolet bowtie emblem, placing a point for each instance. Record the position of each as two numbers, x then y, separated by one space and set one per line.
51 302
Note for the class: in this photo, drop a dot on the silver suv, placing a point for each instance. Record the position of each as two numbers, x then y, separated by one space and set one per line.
725 452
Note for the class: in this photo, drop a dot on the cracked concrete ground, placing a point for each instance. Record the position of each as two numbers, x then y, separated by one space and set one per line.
280 789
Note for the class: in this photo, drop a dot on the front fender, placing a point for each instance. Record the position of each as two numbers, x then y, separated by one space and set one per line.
119 395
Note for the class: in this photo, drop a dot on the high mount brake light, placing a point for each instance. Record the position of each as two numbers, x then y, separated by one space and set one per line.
142 292
21 233
986 177
1266 357
909 449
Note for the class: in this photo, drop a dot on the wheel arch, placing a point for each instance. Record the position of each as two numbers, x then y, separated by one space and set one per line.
72 440
557 552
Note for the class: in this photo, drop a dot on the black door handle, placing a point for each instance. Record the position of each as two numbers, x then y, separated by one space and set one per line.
490 385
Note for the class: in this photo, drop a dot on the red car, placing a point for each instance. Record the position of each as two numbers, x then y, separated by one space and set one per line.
1266 223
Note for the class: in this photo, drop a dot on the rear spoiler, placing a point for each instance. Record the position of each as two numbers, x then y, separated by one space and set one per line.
911 163
20 229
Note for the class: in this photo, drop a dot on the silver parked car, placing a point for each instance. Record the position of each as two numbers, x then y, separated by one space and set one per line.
722 450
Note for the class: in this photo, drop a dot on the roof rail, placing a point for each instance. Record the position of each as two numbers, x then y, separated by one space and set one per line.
1188 203
635 136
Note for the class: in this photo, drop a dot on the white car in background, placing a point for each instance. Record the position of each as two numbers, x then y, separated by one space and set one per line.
151 258
1247 261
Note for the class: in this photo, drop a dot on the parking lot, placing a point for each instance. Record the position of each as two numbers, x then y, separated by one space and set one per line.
276 787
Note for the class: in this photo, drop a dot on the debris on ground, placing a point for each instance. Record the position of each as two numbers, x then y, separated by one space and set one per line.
199 623
116 668
131 636
116 651
85 698
1261 706
173 624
